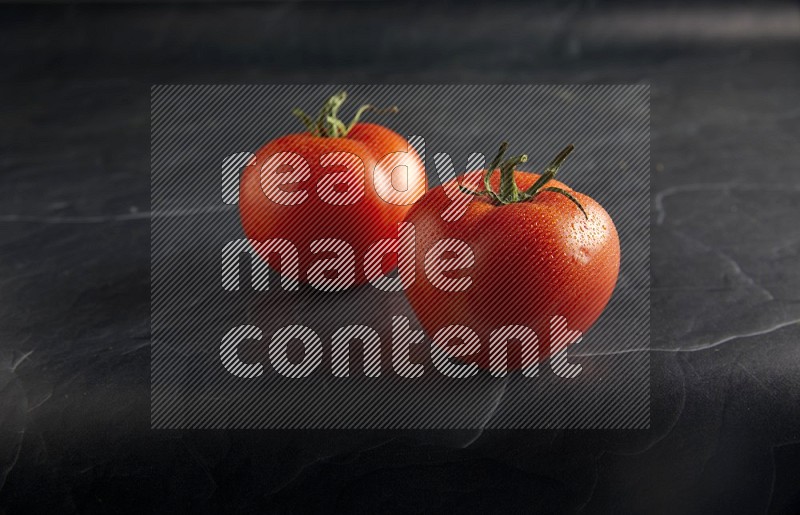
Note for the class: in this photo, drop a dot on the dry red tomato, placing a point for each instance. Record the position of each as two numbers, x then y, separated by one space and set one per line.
541 250
352 183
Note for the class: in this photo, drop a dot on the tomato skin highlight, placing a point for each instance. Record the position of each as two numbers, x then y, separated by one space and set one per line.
359 224
534 260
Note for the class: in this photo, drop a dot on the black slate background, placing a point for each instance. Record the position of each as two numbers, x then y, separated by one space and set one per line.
74 259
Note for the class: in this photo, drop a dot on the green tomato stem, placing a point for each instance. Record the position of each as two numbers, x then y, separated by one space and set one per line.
509 191
328 125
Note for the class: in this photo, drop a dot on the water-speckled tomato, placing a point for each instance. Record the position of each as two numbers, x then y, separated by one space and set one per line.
541 250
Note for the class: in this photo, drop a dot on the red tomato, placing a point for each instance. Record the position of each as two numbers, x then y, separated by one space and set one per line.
541 250
351 183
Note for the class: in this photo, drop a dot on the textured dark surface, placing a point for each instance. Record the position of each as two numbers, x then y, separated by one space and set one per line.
74 261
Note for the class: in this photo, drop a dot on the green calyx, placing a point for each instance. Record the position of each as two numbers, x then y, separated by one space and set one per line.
509 192
328 125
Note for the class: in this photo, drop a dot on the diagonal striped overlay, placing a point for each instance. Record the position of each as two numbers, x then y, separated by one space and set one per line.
201 135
